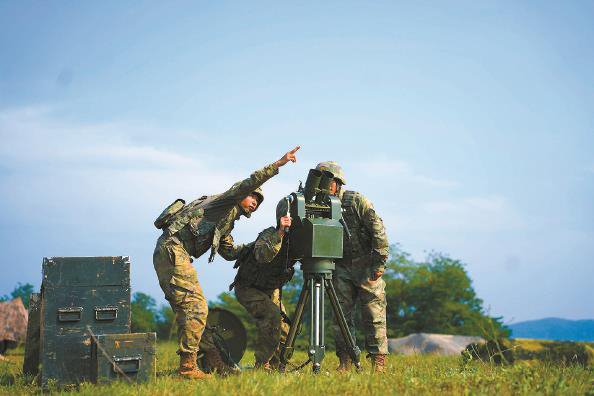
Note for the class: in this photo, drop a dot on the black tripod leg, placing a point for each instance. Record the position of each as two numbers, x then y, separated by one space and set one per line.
354 350
288 348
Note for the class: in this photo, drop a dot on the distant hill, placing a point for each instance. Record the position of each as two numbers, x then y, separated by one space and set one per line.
554 329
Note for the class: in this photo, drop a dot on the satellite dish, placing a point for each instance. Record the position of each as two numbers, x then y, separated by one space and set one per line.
229 335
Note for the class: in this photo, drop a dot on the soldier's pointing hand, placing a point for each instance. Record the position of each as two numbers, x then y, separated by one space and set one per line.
290 156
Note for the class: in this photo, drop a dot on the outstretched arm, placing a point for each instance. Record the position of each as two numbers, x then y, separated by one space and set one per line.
225 201
227 248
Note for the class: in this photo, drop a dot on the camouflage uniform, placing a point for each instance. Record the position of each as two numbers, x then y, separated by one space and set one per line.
257 288
365 253
192 233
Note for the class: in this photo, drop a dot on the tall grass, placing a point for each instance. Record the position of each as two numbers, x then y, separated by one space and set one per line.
405 375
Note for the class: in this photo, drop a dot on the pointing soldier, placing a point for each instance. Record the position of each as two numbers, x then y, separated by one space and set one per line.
190 231
358 274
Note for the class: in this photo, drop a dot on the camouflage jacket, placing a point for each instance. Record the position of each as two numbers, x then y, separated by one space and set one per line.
210 225
267 267
368 234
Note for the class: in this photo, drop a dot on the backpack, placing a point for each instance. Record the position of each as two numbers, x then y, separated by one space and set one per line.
166 216
175 216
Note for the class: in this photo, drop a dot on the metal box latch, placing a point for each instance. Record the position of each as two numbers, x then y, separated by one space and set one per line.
70 314
126 364
106 313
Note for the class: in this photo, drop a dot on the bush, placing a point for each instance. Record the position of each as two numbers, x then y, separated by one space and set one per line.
499 351
559 352
505 351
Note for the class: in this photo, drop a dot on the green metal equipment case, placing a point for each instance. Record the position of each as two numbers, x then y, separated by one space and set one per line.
128 357
80 295
31 361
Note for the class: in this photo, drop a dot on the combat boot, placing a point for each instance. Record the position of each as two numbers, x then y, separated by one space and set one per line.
264 366
378 363
188 369
214 362
345 363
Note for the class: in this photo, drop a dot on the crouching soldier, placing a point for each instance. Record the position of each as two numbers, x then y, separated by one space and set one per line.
258 284
190 231
358 275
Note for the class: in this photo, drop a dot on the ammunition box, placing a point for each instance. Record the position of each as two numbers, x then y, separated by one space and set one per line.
86 271
80 296
66 359
128 357
31 361
69 310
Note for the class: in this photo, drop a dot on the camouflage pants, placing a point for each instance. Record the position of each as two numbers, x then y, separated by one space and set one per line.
178 280
271 329
352 284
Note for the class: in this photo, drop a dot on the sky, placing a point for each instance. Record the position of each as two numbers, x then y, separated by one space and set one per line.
469 125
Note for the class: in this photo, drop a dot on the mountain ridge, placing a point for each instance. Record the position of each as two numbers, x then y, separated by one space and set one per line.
555 329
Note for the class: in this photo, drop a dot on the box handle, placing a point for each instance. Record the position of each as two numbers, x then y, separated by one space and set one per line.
106 313
70 314
127 364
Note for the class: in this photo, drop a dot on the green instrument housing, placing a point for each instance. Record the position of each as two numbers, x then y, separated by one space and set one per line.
316 231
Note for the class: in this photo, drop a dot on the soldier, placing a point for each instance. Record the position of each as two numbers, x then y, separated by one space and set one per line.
258 284
189 231
358 274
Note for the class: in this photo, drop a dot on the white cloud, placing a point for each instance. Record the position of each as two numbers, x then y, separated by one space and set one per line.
96 188
33 135
461 215
413 203
401 171
64 169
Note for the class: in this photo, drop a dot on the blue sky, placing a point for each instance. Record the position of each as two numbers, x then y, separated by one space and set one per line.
470 125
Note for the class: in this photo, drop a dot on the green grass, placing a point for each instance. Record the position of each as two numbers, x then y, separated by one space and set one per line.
406 375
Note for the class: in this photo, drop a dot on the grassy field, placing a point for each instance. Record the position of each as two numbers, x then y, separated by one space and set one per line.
406 375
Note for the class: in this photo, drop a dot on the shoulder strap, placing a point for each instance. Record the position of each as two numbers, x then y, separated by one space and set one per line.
193 209
348 200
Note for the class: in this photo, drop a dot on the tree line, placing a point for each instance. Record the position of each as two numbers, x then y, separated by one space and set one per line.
434 295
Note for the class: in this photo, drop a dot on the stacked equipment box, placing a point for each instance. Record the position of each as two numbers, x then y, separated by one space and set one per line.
114 356
84 299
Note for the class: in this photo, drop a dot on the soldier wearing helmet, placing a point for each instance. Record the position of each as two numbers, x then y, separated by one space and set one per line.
190 231
261 275
358 274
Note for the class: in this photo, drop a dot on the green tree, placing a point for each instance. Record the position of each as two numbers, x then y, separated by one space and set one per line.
144 313
166 326
432 296
435 296
22 291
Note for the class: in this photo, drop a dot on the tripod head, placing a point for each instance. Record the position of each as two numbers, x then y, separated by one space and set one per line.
316 229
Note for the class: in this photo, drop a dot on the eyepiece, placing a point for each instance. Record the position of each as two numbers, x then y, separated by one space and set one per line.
311 185
324 186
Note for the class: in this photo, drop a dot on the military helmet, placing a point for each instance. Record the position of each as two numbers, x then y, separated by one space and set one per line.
334 168
258 193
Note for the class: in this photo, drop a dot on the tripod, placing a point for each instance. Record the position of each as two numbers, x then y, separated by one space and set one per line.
317 274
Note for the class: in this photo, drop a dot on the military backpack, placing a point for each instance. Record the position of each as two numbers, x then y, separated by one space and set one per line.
359 243
177 214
